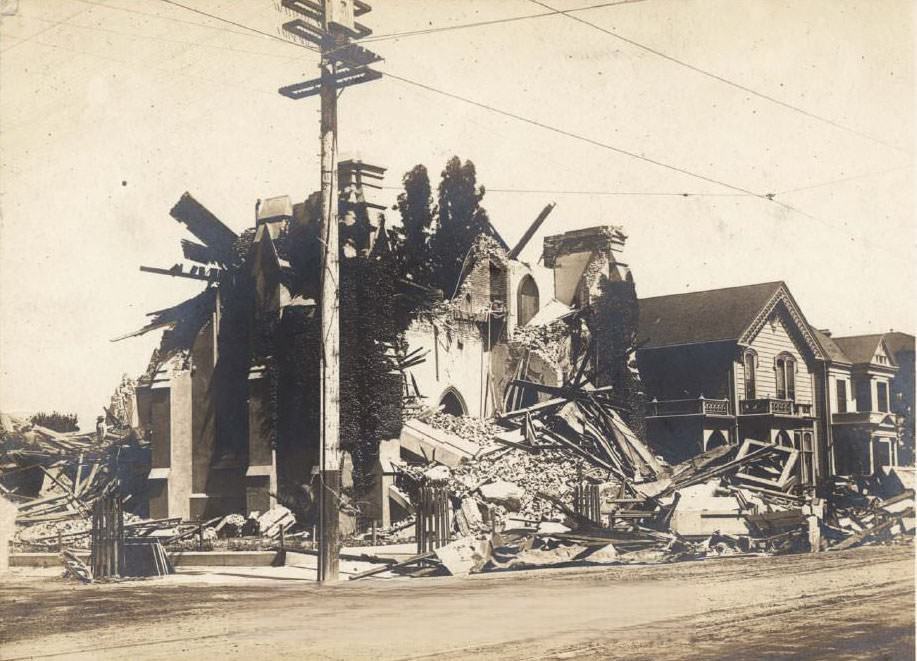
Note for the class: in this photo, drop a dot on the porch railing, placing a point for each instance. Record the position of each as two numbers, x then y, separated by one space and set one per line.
771 406
698 406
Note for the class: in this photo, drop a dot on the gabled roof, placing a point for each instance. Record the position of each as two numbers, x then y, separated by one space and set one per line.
861 349
898 342
832 350
733 314
715 315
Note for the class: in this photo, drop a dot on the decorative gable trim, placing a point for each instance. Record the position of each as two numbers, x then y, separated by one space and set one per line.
888 354
783 296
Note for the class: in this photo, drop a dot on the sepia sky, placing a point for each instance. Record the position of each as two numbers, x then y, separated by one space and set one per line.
111 109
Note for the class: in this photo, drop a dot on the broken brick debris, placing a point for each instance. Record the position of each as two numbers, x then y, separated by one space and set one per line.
518 501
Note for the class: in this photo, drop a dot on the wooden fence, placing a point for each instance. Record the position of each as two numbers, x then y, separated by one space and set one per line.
432 510
107 556
587 501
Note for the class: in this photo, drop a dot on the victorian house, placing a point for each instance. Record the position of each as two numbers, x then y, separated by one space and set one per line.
730 365
865 430
742 363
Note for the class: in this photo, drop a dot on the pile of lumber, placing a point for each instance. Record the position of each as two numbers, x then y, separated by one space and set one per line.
584 423
565 481
55 478
859 515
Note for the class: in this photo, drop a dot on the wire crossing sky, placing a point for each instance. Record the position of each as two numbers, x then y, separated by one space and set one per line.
735 141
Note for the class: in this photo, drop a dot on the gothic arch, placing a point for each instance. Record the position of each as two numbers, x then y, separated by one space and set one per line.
452 402
527 302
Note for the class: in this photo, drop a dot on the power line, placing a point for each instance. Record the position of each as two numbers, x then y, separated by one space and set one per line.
575 136
12 128
136 35
53 25
164 18
721 79
538 191
238 25
496 21
880 249
738 189
505 113
845 179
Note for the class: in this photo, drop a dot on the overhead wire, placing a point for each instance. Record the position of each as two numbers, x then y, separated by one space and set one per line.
497 21
164 18
723 79
500 111
549 191
135 35
832 182
765 196
41 32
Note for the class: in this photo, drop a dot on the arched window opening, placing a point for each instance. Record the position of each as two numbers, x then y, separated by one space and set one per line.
750 360
785 367
452 403
717 439
784 439
526 300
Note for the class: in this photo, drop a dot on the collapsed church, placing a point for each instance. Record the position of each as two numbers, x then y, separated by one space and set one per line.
229 401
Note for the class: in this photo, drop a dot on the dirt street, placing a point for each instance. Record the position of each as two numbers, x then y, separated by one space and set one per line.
846 605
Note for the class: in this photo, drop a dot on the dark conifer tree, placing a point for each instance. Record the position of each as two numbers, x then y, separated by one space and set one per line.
415 205
460 219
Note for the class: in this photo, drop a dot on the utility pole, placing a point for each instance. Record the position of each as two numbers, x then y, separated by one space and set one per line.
330 25
331 331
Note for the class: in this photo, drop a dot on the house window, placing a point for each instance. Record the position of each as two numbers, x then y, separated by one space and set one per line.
526 301
806 460
882 396
750 374
786 377
841 396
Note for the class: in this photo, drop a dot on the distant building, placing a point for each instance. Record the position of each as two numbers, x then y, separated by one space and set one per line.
903 392
867 428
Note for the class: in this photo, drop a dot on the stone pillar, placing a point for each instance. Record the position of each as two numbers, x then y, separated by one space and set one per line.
202 407
170 439
261 474
180 445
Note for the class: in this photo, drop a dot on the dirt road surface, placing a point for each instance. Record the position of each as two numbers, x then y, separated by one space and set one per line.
856 604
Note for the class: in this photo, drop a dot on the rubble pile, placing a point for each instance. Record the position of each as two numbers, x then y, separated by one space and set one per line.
471 429
54 478
551 341
866 512
565 481
123 406
551 471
